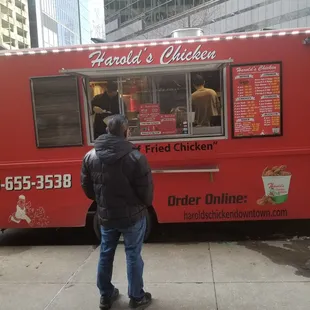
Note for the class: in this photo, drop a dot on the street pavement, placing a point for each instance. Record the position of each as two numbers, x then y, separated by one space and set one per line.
244 275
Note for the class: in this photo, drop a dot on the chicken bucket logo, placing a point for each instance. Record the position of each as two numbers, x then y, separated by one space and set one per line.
276 181
34 217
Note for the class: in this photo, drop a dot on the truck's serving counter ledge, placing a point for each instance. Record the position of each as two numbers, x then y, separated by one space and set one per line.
203 169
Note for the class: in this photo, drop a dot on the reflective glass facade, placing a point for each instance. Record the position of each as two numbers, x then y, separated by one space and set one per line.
148 19
153 11
60 23
85 25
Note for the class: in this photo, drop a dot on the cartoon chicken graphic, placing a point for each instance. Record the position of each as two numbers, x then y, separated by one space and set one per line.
21 211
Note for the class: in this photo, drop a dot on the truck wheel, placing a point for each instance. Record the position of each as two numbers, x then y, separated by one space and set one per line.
149 226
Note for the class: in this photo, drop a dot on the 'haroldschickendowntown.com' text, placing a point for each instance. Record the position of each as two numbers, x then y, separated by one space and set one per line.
236 214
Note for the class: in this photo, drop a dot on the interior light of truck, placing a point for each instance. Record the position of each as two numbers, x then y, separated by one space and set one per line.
91 48
178 42
20 53
295 32
283 33
80 49
153 43
7 54
104 47
243 36
43 52
116 46
229 38
216 39
190 41
67 49
128 45
256 35
165 43
307 31
141 44
269 34
203 40
56 51
31 52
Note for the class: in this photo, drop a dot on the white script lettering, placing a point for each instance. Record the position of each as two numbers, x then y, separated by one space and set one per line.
98 58
266 68
176 54
247 69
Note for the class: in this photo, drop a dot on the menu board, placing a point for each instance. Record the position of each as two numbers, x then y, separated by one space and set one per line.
153 123
149 119
257 100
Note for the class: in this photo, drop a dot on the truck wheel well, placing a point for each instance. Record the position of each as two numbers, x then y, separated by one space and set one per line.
152 221
93 208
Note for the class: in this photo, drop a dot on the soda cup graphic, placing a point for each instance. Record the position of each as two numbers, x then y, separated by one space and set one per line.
277 187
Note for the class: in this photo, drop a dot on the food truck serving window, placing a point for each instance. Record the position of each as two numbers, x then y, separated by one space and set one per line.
160 105
56 111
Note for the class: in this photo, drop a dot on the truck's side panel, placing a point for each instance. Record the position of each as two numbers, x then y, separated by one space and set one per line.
241 161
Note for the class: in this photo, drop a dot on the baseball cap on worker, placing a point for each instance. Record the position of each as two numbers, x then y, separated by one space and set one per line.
118 125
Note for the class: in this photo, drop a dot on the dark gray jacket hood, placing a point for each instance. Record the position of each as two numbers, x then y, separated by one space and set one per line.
110 148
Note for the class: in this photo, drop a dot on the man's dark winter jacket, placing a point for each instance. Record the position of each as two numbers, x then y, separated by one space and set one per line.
118 177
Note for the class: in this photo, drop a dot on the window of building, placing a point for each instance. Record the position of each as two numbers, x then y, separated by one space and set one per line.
6 10
7 25
22 45
137 8
21 32
161 106
9 41
56 111
21 18
20 5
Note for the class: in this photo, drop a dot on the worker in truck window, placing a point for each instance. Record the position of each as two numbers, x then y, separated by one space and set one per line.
105 105
118 177
205 103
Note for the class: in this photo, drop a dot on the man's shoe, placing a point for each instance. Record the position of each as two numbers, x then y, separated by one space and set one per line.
106 303
141 304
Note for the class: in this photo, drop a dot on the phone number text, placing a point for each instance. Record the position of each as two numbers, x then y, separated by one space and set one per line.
39 182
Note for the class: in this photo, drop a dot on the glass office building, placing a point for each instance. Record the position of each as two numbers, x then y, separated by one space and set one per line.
148 19
59 22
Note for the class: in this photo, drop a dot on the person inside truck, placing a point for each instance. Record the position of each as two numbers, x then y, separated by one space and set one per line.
105 105
205 103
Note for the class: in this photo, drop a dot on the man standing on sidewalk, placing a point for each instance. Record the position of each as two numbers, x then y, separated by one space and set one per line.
118 177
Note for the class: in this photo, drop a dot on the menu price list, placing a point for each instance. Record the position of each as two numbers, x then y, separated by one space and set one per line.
152 123
256 100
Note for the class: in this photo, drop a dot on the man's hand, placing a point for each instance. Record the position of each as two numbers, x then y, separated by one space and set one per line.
98 110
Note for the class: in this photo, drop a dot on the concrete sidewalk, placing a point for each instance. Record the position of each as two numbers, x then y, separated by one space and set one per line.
204 276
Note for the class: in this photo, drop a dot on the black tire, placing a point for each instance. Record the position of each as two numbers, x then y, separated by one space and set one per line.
149 226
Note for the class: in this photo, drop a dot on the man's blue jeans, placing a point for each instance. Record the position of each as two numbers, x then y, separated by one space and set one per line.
133 240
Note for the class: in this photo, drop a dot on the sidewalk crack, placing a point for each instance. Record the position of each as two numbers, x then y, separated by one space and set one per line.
212 270
69 280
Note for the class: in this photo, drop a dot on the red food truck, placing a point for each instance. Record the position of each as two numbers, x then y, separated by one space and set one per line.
247 161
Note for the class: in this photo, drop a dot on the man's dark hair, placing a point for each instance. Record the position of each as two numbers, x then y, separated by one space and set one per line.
111 86
117 125
198 80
